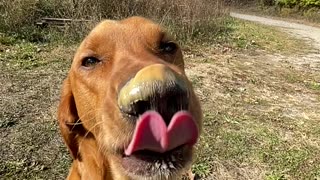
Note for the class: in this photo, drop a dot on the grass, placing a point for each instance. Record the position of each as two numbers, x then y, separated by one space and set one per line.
31 146
261 114
313 85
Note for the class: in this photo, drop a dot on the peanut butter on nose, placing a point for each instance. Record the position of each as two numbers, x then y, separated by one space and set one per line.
157 72
143 84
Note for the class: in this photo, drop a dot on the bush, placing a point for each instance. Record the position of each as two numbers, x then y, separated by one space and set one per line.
287 3
299 3
310 3
267 2
281 3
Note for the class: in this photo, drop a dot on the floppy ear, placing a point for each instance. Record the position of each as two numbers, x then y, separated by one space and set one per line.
68 118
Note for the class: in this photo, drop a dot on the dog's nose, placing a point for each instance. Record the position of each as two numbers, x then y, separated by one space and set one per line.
155 87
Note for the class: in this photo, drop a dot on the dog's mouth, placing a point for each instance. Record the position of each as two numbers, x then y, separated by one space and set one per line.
156 101
146 163
163 137
156 148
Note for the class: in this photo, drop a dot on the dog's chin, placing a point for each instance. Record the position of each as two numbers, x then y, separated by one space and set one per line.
153 165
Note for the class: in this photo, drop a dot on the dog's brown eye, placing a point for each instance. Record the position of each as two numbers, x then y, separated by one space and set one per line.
90 61
168 47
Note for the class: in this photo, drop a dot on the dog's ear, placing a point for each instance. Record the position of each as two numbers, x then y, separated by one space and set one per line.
68 118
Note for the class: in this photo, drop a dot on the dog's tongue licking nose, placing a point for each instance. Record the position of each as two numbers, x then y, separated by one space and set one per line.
152 134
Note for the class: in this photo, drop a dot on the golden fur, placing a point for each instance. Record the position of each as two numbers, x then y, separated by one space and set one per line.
90 121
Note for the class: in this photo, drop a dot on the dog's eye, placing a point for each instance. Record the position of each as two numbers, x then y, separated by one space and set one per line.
168 47
90 61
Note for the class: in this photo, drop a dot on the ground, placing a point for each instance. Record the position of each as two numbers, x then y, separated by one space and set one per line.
260 96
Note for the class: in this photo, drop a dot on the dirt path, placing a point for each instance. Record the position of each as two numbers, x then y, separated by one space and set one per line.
298 30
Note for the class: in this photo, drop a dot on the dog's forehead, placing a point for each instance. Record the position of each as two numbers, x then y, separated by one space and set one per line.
129 30
131 35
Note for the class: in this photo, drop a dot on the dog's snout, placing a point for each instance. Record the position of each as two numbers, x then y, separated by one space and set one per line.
155 87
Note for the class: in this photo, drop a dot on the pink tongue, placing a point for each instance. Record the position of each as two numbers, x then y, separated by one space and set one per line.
152 134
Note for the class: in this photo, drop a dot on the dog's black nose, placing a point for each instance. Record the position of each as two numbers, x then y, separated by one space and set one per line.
155 87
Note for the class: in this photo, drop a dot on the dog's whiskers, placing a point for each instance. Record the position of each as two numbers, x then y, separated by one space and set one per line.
80 121
89 131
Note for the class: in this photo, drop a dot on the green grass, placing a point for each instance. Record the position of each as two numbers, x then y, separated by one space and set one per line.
17 53
314 85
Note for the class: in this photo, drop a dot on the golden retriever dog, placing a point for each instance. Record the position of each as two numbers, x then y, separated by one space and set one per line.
127 109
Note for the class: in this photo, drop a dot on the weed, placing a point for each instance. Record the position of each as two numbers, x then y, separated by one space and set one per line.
313 85
7 40
201 169
275 176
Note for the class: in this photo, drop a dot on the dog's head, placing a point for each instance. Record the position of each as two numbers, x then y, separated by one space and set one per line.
127 90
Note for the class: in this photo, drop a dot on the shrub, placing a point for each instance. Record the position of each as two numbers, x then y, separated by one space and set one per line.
287 3
299 3
267 2
310 3
281 3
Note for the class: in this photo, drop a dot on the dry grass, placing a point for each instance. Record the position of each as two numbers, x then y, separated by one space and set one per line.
187 19
261 117
31 76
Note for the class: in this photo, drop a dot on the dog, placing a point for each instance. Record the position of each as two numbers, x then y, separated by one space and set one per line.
127 109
